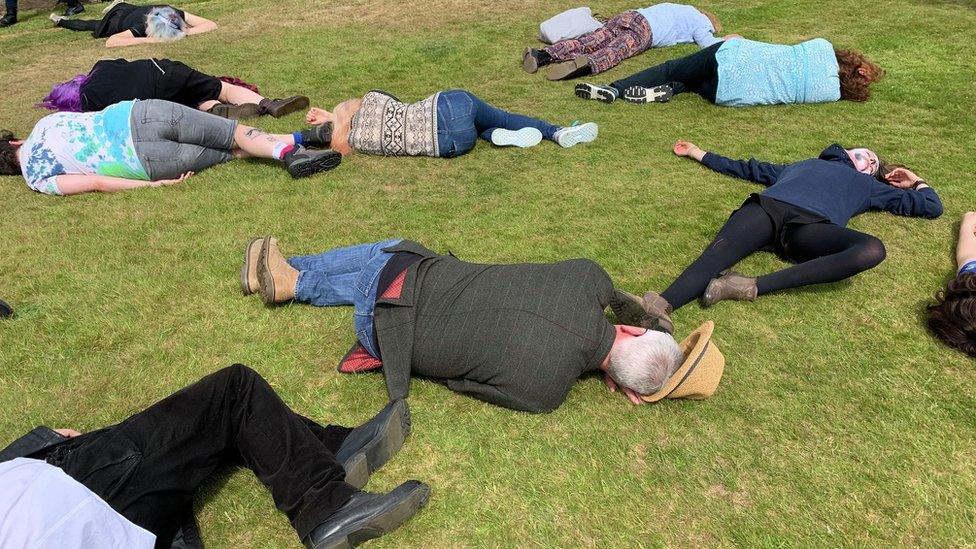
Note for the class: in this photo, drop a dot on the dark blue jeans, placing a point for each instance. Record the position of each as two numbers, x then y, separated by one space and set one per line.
10 6
462 118
345 276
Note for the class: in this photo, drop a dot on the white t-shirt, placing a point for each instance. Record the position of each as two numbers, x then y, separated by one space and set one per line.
81 143
42 507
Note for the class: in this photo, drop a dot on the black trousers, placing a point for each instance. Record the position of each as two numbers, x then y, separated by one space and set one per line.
825 252
149 466
697 73
86 25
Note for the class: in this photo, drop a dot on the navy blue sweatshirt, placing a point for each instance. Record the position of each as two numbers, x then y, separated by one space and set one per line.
829 186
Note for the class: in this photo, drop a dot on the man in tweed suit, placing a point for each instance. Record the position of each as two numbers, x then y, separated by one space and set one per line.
513 335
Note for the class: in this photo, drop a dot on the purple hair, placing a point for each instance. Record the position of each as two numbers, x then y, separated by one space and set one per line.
66 96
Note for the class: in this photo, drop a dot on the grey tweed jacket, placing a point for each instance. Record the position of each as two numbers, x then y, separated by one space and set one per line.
513 335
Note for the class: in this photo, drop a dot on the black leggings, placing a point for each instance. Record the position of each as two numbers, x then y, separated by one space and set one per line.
697 73
824 252
85 25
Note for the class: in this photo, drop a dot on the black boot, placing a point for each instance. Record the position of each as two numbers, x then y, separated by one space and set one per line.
302 162
74 8
8 19
280 107
319 137
5 309
532 59
379 438
366 516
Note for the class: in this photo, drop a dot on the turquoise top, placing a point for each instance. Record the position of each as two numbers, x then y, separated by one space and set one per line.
756 73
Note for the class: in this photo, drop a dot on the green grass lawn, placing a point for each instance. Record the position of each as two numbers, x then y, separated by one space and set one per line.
840 420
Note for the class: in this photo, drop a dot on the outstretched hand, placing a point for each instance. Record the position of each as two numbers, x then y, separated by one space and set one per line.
902 178
317 116
179 179
687 148
630 393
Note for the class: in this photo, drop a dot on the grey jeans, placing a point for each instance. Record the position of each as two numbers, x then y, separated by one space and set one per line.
171 139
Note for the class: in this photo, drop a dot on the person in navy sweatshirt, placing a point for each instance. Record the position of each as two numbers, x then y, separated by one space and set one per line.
802 216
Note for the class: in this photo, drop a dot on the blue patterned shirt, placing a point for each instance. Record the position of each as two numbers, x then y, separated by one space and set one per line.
756 73
81 143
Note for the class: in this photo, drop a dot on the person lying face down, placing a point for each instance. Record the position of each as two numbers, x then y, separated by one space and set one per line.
740 72
126 24
131 485
802 216
625 35
952 318
146 143
516 336
445 125
112 81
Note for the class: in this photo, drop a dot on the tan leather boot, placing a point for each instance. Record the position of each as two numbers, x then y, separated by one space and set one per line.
651 311
277 278
249 270
731 285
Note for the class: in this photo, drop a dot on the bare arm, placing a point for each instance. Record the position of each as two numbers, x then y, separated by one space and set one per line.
966 249
126 38
78 183
197 24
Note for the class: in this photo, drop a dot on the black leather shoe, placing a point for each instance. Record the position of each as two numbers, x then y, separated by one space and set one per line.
318 137
366 516
379 438
74 10
280 107
5 309
303 163
8 19
357 472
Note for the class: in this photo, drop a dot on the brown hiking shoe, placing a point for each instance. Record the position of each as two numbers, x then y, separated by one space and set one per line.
249 270
280 107
578 66
236 112
651 311
277 279
731 285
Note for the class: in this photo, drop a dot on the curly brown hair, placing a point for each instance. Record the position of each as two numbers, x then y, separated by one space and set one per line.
855 86
953 317
9 165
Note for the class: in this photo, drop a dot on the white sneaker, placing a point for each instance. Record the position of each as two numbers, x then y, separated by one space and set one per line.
572 135
526 137
56 18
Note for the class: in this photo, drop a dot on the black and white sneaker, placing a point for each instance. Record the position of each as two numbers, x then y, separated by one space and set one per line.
657 94
302 162
592 91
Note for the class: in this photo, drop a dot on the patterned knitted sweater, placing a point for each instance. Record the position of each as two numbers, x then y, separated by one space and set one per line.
385 126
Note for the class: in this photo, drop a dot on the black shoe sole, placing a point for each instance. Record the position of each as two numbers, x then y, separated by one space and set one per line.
390 439
293 104
657 94
590 91
357 471
320 163
628 308
415 496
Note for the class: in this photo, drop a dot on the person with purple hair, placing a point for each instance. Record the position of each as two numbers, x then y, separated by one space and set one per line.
147 144
111 81
126 25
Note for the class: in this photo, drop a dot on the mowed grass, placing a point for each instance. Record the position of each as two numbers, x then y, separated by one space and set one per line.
840 420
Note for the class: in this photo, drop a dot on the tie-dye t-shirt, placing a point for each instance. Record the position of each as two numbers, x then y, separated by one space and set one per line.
81 143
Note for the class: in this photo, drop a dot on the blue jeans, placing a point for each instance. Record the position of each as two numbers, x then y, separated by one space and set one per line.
345 276
462 118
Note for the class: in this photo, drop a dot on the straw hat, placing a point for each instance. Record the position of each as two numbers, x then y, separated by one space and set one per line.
699 374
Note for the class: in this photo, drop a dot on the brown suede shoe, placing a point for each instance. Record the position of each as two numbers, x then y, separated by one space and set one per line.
578 66
249 270
277 278
281 107
651 311
731 285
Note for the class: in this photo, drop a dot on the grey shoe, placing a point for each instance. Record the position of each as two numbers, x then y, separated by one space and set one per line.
731 285
573 135
302 162
357 471
651 311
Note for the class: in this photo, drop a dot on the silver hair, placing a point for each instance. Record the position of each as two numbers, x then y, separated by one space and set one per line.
645 362
165 23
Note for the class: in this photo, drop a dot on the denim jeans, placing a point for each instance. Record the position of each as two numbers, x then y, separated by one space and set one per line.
345 276
462 118
171 139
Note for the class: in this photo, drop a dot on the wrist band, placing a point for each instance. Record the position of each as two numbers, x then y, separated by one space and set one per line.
919 182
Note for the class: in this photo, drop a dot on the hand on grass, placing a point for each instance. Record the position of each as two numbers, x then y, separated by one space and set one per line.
67 433
687 148
630 393
318 116
179 179
902 178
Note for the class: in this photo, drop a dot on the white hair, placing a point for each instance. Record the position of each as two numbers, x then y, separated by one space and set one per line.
165 23
645 362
